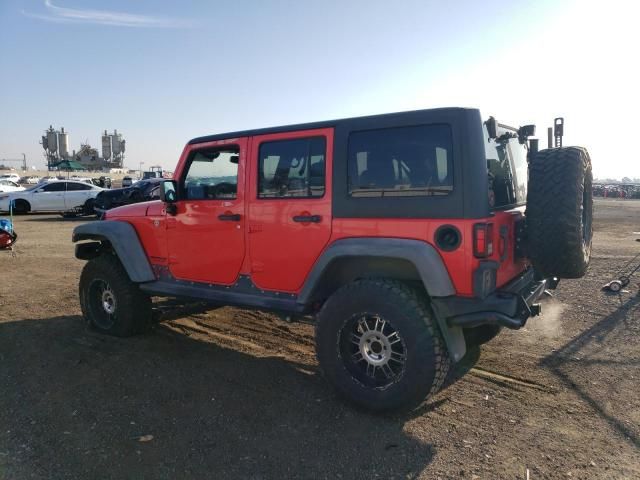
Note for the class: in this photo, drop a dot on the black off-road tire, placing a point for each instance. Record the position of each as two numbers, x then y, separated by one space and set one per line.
21 207
560 212
426 358
132 313
87 209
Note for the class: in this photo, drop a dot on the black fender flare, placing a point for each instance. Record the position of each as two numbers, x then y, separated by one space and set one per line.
125 243
424 257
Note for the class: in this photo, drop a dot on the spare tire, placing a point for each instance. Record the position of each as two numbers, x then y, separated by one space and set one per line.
560 212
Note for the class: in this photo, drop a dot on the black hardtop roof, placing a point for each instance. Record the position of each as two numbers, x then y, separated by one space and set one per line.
323 124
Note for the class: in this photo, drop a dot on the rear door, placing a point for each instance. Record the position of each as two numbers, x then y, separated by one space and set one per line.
77 194
289 206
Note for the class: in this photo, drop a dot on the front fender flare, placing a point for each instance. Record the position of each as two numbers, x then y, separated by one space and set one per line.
125 243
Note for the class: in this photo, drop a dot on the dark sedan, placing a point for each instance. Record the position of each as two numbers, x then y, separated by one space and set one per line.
141 191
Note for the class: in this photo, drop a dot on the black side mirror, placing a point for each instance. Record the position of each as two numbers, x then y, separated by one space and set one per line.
492 127
169 195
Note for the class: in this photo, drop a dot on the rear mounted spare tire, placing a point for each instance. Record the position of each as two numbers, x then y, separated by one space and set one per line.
560 212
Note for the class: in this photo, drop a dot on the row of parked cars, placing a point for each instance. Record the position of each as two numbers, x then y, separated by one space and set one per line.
73 196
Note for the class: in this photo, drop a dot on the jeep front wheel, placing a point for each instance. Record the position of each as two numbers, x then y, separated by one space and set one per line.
378 345
110 302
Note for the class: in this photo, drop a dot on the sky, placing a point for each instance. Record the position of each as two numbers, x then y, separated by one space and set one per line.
162 72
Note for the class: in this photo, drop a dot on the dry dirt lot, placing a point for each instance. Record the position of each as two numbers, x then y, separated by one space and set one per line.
237 394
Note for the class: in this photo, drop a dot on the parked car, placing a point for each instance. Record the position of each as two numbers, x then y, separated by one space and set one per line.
127 182
104 182
58 196
141 191
385 231
14 177
29 180
9 186
81 179
48 179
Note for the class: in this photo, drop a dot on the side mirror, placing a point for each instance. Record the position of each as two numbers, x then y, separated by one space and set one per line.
169 195
492 127
168 191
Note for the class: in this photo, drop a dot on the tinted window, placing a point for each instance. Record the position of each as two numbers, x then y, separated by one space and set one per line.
77 186
54 187
402 162
212 174
292 168
508 171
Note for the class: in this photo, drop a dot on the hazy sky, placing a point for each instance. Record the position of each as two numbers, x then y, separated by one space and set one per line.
162 72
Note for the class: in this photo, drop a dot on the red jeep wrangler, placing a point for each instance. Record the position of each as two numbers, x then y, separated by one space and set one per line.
408 237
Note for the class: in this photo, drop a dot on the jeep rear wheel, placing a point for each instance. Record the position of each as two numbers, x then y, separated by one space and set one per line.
560 212
378 345
111 303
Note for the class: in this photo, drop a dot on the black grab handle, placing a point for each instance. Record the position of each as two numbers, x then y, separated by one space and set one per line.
233 217
307 218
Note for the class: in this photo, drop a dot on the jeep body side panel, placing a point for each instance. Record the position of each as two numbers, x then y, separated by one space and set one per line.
125 243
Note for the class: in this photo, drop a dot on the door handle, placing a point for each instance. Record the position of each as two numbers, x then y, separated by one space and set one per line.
229 217
307 218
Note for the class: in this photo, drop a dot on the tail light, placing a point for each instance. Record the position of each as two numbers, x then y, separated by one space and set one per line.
483 240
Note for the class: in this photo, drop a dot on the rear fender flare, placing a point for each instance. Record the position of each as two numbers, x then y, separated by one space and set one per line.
125 243
424 257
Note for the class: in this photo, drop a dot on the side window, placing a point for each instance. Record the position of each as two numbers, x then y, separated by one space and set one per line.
77 186
401 162
292 168
54 187
212 174
508 171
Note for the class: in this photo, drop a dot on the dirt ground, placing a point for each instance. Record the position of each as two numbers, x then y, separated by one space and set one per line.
237 394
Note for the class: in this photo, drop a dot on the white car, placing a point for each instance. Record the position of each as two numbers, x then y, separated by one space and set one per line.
14 177
57 196
9 186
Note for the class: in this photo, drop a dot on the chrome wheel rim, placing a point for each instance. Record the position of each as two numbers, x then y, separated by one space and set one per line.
102 304
372 350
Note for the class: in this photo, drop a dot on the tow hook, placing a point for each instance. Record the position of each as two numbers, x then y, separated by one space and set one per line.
536 309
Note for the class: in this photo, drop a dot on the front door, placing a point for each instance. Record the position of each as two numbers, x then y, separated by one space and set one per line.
206 236
289 206
49 197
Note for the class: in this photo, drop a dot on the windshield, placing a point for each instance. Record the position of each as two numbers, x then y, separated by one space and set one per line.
507 168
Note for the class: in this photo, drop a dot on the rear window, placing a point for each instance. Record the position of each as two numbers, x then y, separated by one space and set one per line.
508 171
401 162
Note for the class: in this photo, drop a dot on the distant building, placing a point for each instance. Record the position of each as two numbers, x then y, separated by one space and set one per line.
56 149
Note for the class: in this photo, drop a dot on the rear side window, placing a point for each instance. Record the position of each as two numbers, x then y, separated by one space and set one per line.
292 168
401 162
78 186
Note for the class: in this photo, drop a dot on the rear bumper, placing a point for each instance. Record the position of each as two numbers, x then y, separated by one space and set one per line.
510 307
